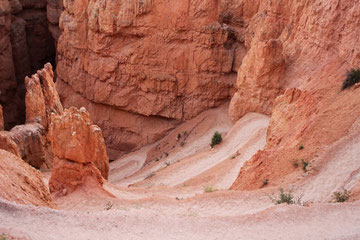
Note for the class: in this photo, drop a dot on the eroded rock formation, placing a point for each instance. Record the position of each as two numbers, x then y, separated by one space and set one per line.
294 44
26 45
151 60
79 150
21 183
318 42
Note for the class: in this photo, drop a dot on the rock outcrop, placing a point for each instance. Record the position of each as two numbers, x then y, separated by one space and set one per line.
294 44
41 100
21 183
26 45
302 126
79 150
318 43
154 60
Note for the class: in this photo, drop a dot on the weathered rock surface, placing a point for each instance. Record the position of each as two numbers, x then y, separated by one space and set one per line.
123 131
21 183
294 44
318 45
160 59
8 144
26 45
312 119
79 150
41 100
8 86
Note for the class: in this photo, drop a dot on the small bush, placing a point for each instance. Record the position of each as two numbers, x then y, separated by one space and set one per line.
3 237
341 196
305 165
179 136
167 164
352 77
166 154
182 143
185 133
216 139
265 182
285 198
150 175
109 205
209 189
301 147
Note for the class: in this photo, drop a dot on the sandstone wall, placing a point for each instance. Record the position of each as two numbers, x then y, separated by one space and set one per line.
295 44
154 59
318 42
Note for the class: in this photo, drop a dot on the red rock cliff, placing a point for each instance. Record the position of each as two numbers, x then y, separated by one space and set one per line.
146 61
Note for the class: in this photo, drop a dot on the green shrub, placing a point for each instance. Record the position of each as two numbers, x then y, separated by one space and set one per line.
305 164
182 143
108 206
352 77
285 198
301 147
265 182
166 154
216 139
209 189
341 196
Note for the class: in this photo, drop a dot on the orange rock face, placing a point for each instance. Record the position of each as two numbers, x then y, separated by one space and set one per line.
154 59
21 183
311 119
8 144
294 44
79 150
316 46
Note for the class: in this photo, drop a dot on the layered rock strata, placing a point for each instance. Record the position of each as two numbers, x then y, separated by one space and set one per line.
151 60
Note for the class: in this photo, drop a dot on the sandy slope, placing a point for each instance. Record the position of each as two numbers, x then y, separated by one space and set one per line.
172 204
323 221
338 169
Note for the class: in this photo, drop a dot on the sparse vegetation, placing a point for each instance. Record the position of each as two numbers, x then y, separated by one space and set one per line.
341 196
265 182
216 139
301 147
305 165
166 154
284 198
185 133
179 136
150 175
182 143
3 237
167 164
352 77
108 206
157 159
295 163
209 189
